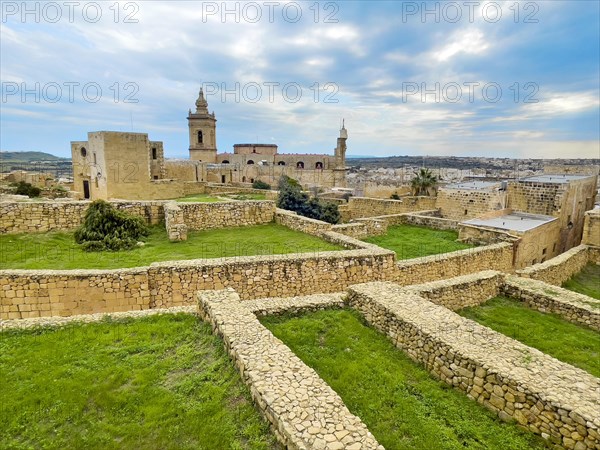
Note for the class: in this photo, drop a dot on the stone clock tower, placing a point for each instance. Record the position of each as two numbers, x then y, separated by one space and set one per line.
203 132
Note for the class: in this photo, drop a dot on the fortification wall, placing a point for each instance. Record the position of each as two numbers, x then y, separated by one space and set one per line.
34 217
464 204
549 397
591 228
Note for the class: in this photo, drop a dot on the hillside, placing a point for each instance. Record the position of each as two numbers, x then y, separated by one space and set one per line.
10 157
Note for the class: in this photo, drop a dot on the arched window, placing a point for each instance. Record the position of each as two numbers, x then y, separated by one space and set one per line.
319 165
250 162
224 162
83 152
200 138
299 165
281 163
243 179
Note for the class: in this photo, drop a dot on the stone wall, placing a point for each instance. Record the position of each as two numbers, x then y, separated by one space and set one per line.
429 219
462 262
560 268
175 222
548 397
461 292
44 293
464 204
304 411
300 223
204 216
591 228
358 207
571 306
34 217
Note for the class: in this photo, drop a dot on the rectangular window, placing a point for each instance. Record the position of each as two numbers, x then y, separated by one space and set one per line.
544 251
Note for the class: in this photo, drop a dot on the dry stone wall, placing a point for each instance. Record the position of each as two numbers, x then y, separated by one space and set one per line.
571 306
560 268
549 397
358 207
204 216
36 217
305 413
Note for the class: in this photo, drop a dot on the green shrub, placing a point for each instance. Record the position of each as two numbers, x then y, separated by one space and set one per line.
292 198
258 184
24 188
106 228
395 196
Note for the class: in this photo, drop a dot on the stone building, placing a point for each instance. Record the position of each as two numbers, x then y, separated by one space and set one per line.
470 199
120 165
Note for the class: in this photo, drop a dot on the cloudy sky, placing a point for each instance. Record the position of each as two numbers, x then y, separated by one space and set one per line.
506 78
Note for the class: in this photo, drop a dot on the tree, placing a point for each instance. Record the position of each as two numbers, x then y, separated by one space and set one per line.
423 181
106 228
258 184
292 198
28 189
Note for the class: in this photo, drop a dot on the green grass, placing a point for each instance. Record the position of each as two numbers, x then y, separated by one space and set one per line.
202 198
586 282
398 400
59 250
161 382
571 343
409 241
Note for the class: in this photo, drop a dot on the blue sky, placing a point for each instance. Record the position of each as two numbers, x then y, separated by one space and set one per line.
505 79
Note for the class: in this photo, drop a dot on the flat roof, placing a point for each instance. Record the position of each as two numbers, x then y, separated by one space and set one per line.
558 178
515 221
473 185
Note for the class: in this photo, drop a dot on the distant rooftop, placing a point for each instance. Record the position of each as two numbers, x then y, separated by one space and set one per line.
560 179
515 221
473 185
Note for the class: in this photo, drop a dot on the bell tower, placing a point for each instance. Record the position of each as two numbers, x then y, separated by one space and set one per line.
203 132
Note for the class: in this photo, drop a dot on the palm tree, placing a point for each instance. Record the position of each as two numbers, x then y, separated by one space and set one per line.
423 181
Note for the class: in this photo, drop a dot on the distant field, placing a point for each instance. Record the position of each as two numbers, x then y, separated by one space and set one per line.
161 382
586 282
409 241
574 344
59 250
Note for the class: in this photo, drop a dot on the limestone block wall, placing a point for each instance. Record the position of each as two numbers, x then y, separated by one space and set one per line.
464 204
460 292
175 222
44 293
560 268
358 207
571 306
548 397
302 408
175 283
429 220
591 228
300 223
34 217
435 267
204 216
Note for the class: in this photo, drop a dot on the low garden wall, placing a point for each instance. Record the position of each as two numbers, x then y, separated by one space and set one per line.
571 306
300 223
549 397
304 411
429 219
562 267
358 207
36 217
203 216
461 292
447 265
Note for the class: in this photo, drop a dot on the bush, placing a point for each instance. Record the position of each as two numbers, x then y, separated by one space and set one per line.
292 198
106 228
395 196
24 188
261 185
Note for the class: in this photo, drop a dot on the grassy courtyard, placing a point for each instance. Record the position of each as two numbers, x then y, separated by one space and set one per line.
161 382
59 250
409 241
571 343
399 401
586 282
